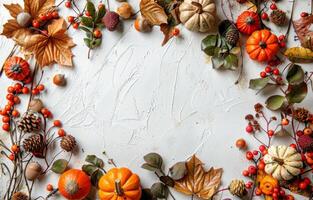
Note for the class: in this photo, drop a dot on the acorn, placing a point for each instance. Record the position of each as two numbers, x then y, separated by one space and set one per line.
35 105
23 19
59 80
125 11
142 25
33 170
111 20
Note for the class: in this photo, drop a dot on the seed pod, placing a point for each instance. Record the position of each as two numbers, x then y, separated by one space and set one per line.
59 80
35 105
23 19
125 10
32 171
142 25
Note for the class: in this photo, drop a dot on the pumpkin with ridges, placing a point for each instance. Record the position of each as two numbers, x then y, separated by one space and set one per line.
248 22
16 68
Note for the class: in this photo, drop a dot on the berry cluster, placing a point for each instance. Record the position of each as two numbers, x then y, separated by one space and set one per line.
44 18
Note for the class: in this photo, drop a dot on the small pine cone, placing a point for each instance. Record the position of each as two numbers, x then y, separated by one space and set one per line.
237 188
34 144
306 143
29 123
301 114
19 196
278 17
232 36
68 143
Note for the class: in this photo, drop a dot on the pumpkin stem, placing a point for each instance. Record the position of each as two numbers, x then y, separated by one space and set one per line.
16 68
118 187
199 6
262 45
250 20
279 160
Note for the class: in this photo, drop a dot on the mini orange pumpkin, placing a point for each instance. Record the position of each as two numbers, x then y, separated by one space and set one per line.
74 184
248 22
267 184
262 45
16 68
119 184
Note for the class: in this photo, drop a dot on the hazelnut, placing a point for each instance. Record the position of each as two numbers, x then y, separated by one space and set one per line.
59 80
33 170
23 19
125 10
35 105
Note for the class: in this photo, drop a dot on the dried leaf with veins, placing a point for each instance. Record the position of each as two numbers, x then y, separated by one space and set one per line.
302 29
53 47
35 8
198 181
153 12
167 31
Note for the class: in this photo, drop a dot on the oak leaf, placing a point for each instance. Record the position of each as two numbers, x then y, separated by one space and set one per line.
302 29
153 12
53 47
198 181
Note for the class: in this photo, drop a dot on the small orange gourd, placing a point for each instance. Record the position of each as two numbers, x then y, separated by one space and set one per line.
16 68
119 184
248 22
267 184
262 45
74 184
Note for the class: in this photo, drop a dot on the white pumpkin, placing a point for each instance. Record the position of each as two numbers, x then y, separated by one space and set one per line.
283 162
198 15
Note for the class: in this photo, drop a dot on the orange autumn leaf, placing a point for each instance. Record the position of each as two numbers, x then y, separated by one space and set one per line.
14 9
35 8
198 181
53 47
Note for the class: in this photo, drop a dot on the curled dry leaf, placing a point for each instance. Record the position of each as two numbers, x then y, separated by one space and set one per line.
153 12
53 47
302 29
299 55
198 181
167 31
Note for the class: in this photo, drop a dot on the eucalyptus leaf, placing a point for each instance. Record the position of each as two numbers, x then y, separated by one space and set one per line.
178 171
149 167
231 62
89 169
275 102
95 161
297 93
258 83
217 62
87 42
159 190
147 195
154 160
209 43
87 21
295 74
101 13
91 9
282 132
95 177
59 166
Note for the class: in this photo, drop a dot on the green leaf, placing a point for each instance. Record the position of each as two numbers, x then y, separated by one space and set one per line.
209 43
84 28
258 83
91 9
87 21
149 167
295 74
297 93
231 62
178 171
89 169
59 166
95 161
100 26
101 13
95 177
147 195
275 102
87 42
154 160
159 190
96 42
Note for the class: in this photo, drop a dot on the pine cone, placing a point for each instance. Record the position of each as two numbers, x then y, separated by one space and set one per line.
19 196
237 188
68 143
306 143
301 114
278 17
35 145
232 36
29 123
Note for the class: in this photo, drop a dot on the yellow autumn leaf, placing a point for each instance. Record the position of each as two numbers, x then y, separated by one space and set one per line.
299 54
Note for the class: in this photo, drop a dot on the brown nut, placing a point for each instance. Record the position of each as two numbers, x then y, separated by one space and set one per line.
125 10
35 105
59 80
33 170
142 25
23 19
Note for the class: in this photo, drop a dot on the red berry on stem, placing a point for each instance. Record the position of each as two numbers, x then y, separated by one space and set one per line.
55 14
273 6
264 16
249 129
6 127
262 147
35 91
75 25
41 87
5 119
57 123
11 156
299 133
10 89
25 90
263 74
245 173
176 32
71 19
15 113
61 132
261 165
304 14
293 146
97 33
36 24
307 180
281 37
282 44
285 122
270 133
258 192
276 71
249 155
68 4
252 170
268 69
49 187
255 152
303 185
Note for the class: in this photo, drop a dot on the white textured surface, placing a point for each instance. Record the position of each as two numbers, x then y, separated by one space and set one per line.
134 97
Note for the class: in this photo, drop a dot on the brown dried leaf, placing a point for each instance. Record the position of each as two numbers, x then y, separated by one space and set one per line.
197 181
54 47
35 8
302 29
167 31
14 9
153 12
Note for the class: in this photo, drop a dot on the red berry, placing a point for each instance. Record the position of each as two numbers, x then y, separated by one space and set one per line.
35 91
282 193
307 180
25 90
304 14
275 195
17 100
252 170
270 133
262 74
268 69
10 96
55 14
293 146
97 33
15 113
68 4
262 147
249 155
6 127
258 192
61 132
245 173
264 16
261 165
5 119
255 152
299 133
248 186
249 129
11 89
15 148
49 187
282 44
42 17
70 19
11 156
18 87
276 71
281 37
87 13
57 123
41 87
176 32
36 24
285 122
303 185
45 111
273 6
75 25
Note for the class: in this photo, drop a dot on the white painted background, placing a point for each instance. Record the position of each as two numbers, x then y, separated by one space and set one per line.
134 97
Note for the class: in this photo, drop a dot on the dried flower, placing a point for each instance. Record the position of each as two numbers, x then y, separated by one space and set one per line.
249 117
301 114
258 107
19 196
306 143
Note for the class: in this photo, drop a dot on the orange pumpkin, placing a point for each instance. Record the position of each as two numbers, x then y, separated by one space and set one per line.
16 68
262 45
267 184
248 22
74 184
119 184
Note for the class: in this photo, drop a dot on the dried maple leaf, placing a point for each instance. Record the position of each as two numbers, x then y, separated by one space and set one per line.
197 181
167 31
53 47
153 12
302 29
12 29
